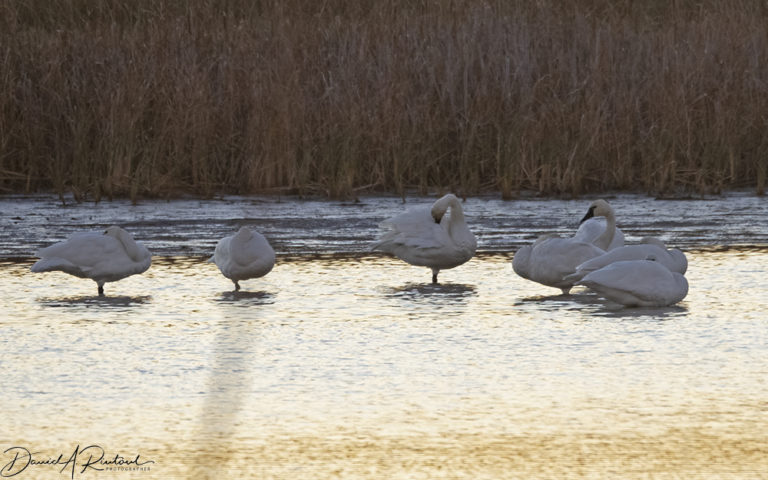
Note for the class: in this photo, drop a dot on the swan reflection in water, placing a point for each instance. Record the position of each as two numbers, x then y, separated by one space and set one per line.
92 301
242 298
433 293
614 310
555 302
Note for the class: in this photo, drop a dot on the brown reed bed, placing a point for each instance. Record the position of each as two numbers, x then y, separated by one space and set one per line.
163 97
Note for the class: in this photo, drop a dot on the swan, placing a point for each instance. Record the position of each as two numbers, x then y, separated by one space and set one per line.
673 259
589 230
427 237
552 258
246 254
103 257
638 283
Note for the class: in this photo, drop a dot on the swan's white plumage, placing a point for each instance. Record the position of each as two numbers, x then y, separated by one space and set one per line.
430 236
552 258
673 259
637 283
102 257
590 229
244 255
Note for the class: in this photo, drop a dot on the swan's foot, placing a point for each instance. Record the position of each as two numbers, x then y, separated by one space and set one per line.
101 290
237 287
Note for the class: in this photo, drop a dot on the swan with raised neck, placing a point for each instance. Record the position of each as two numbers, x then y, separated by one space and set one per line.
601 208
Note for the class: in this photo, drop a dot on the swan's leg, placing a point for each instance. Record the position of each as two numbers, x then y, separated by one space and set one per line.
434 275
237 286
566 290
101 290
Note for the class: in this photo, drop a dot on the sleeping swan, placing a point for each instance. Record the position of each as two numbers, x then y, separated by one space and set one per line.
552 258
673 259
102 257
427 237
246 254
638 283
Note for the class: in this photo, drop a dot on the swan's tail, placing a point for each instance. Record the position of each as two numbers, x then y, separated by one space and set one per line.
520 261
54 264
383 245
50 265
387 239
39 266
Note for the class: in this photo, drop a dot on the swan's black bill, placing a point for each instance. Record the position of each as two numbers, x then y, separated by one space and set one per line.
590 214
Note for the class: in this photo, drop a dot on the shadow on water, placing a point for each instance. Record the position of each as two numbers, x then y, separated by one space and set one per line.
245 299
568 297
614 310
433 292
95 301
555 302
595 305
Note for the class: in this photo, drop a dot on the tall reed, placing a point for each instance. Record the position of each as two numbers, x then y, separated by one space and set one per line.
164 97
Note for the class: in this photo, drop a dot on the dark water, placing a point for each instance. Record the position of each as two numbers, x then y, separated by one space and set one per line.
192 227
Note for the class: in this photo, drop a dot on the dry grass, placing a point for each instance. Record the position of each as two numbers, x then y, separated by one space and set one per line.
161 97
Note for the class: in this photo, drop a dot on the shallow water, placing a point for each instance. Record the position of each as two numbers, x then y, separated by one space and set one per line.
344 364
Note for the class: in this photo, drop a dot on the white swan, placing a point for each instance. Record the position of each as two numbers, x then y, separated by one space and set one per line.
246 254
590 229
638 283
427 237
102 257
552 258
673 259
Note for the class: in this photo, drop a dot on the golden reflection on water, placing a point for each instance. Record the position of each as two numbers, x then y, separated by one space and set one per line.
358 367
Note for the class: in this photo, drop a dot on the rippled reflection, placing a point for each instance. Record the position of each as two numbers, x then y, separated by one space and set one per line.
436 294
345 365
95 301
246 298
658 313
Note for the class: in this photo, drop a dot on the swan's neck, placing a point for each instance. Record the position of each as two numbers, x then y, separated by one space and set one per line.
605 238
456 226
442 205
457 213
458 229
131 247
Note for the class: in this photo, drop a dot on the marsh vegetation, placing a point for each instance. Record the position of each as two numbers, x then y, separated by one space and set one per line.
161 97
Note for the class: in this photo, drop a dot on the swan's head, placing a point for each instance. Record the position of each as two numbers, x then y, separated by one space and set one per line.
598 208
441 206
137 252
114 231
245 233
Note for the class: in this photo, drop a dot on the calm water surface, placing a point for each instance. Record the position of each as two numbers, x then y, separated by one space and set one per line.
345 364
